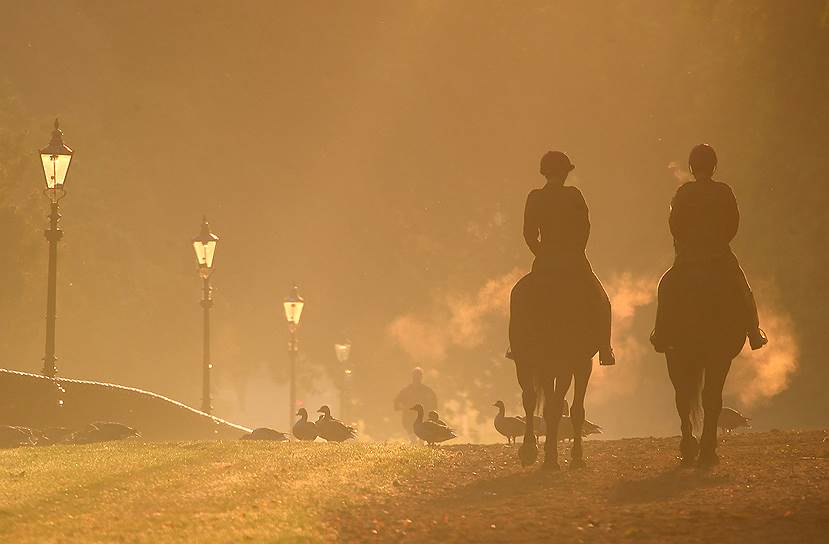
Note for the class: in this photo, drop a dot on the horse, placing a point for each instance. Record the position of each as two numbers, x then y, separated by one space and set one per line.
553 338
703 316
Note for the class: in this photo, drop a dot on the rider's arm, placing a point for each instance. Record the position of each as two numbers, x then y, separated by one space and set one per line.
676 220
531 224
583 219
732 215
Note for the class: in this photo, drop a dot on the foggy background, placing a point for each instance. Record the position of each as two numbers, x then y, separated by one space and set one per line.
378 154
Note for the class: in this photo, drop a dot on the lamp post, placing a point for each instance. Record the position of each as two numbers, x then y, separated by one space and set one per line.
343 352
293 305
205 246
55 158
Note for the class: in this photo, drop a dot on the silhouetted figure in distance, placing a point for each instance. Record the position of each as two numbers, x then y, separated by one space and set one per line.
706 307
415 393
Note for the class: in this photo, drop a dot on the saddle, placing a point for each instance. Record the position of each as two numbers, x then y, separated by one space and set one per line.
551 318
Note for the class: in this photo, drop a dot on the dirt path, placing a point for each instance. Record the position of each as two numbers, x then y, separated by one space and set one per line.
769 487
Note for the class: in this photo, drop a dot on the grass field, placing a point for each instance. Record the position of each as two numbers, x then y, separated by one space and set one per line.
770 487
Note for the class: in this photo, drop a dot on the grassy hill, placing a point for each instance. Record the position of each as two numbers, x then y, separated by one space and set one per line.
35 401
770 487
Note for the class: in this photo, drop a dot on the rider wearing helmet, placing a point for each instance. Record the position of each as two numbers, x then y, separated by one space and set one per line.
704 219
556 229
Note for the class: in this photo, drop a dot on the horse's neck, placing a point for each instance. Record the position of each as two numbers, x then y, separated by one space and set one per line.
501 412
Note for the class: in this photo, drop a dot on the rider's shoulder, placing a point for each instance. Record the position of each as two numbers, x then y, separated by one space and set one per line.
723 187
573 193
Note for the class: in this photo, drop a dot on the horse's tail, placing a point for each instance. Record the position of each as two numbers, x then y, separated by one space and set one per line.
696 399
539 395
540 400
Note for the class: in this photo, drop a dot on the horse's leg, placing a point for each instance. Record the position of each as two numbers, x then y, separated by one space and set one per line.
528 452
715 374
577 412
682 372
554 391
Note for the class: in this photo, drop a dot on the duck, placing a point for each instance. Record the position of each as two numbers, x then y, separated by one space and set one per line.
333 429
539 424
435 417
103 431
264 433
565 428
304 429
731 419
429 431
509 427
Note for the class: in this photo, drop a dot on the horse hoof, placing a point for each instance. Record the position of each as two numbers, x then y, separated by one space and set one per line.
550 466
528 453
708 458
688 449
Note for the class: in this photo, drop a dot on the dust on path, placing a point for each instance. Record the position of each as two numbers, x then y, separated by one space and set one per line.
769 487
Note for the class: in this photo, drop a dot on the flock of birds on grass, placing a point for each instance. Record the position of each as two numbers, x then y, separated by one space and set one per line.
432 430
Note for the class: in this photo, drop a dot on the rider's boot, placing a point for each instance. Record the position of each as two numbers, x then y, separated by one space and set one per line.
606 356
756 336
660 345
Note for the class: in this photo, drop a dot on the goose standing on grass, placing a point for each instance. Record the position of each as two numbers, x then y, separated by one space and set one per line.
508 426
539 425
264 433
435 417
565 428
430 431
333 429
304 429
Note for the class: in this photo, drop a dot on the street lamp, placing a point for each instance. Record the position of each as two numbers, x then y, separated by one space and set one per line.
205 246
343 352
55 158
293 305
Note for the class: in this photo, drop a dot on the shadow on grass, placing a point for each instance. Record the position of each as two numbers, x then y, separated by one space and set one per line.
668 484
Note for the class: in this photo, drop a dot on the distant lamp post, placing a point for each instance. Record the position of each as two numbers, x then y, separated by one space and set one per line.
205 246
55 158
293 306
343 352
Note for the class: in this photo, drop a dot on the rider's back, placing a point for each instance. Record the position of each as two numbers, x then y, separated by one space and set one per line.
704 219
560 214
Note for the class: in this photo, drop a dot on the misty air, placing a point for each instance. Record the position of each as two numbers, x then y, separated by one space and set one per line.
415 271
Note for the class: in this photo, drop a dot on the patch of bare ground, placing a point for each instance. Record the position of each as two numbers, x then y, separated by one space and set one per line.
769 487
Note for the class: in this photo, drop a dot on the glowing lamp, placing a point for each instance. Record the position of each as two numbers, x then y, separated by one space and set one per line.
205 247
293 305
55 158
343 351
